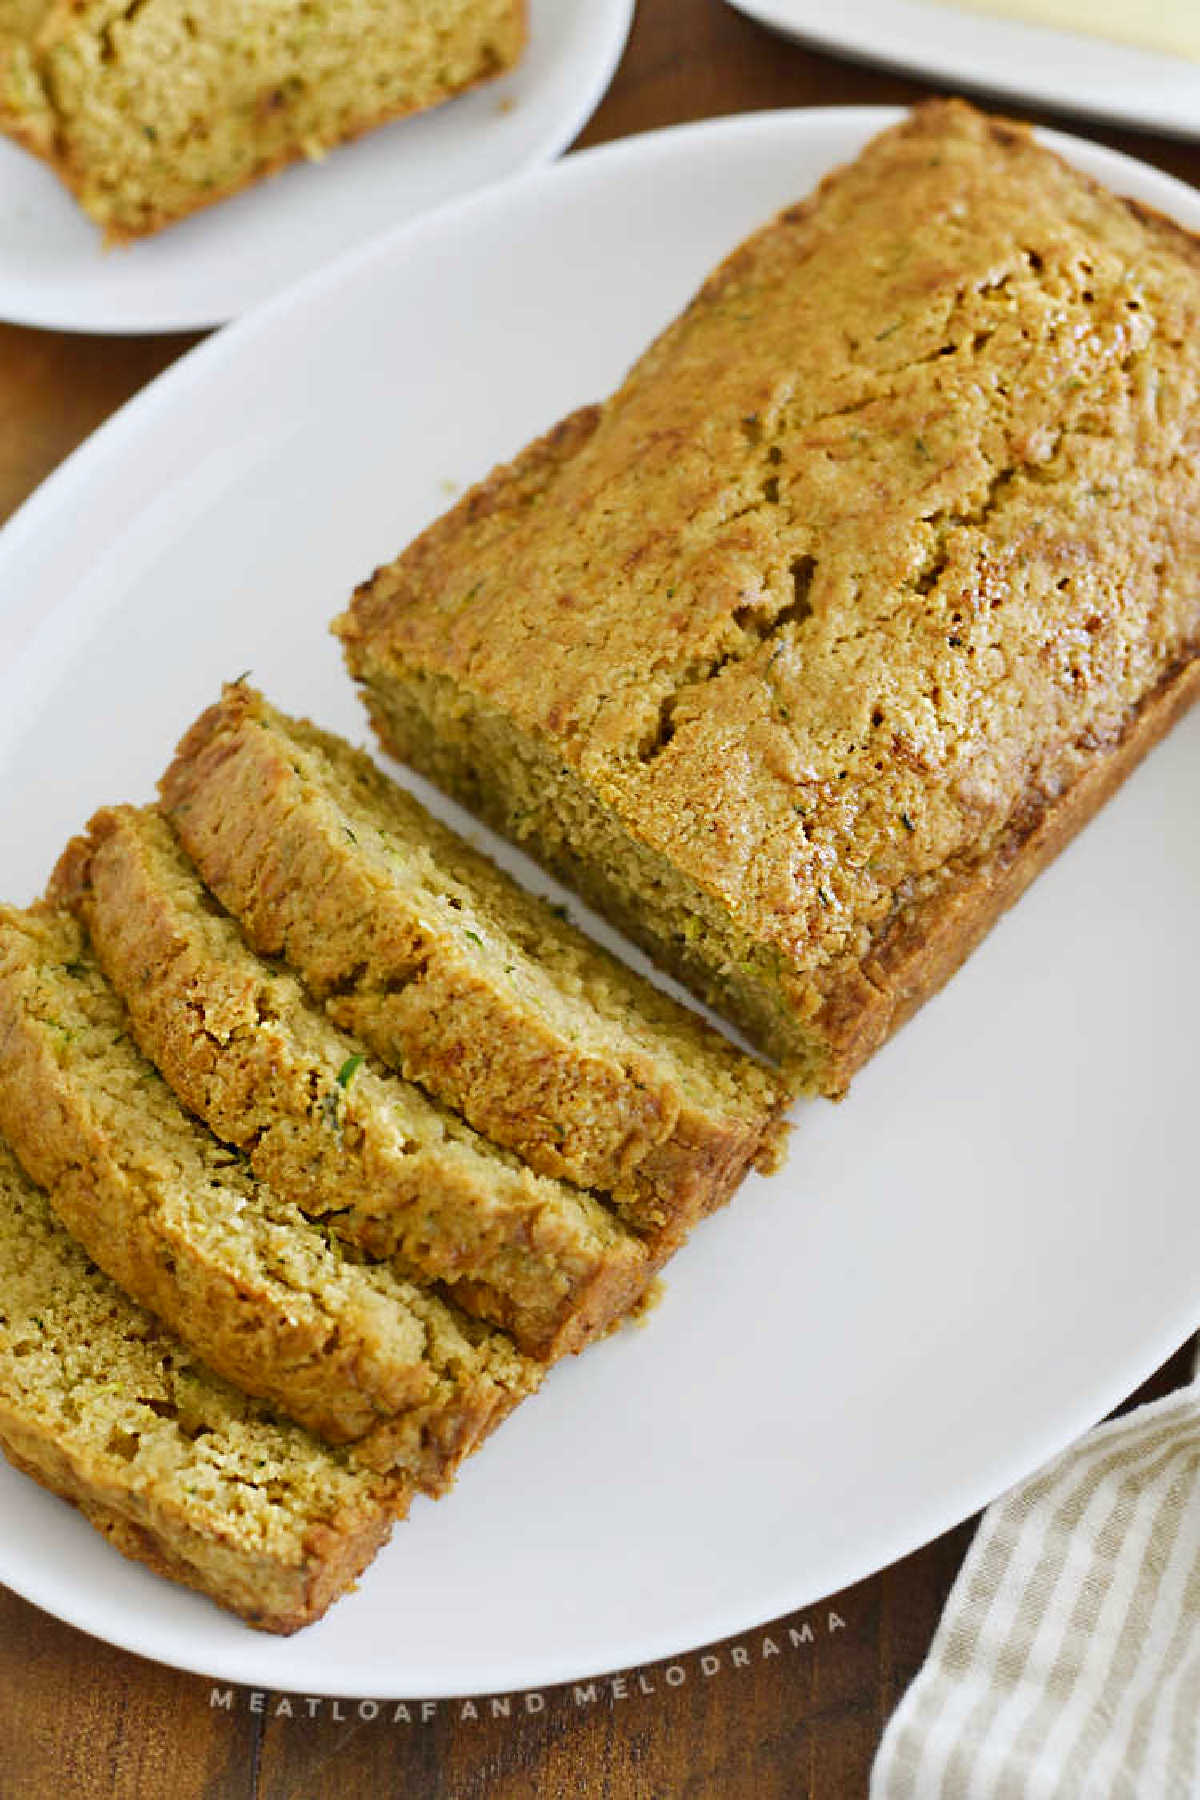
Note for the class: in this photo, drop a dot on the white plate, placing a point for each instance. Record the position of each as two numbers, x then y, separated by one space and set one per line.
54 270
1066 69
989 1244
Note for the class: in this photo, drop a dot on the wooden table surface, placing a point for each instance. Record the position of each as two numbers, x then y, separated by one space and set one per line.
791 1709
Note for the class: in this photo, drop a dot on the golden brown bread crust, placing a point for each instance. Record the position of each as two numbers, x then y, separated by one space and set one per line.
40 124
274 1597
454 975
266 1070
179 1471
882 548
919 952
352 1352
75 178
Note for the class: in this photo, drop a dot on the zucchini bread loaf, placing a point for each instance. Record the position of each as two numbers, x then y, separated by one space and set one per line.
804 652
387 1168
450 972
176 1468
153 109
348 1348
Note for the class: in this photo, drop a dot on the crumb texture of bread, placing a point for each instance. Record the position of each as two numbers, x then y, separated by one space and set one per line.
265 1068
451 973
25 110
177 1469
150 109
346 1347
804 651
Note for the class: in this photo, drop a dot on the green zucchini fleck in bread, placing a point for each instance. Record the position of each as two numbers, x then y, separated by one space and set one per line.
449 971
854 601
362 1149
344 1346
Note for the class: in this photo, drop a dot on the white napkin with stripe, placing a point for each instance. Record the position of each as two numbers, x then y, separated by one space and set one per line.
1067 1662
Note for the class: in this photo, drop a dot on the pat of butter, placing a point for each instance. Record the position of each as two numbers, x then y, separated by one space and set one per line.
1169 25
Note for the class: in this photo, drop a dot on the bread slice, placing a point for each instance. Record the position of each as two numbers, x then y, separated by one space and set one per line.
345 1347
151 110
389 1170
450 972
874 577
176 1468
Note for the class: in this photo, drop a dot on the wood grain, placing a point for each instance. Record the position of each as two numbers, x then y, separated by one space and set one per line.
58 387
792 1710
78 1719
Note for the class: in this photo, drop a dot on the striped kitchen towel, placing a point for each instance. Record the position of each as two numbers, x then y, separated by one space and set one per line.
1067 1662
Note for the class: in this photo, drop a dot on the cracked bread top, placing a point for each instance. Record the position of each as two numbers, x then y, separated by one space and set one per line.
882 540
